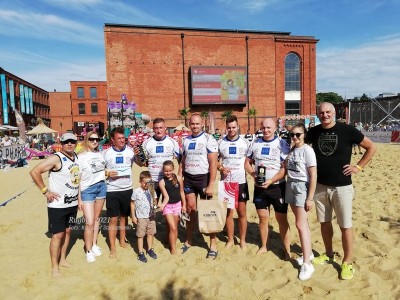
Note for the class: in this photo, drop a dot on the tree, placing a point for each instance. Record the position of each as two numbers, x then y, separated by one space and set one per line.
204 114
252 112
183 113
329 97
226 114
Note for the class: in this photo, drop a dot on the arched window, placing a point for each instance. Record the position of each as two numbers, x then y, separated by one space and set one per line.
292 72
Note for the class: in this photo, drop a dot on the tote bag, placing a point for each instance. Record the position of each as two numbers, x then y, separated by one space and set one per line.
211 215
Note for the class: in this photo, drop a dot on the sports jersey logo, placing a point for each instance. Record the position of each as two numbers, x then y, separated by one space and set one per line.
119 160
265 150
159 149
192 146
64 159
328 144
232 150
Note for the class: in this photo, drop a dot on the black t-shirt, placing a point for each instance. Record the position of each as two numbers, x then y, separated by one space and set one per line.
333 149
173 191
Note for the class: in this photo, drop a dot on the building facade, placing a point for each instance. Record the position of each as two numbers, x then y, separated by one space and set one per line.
153 67
31 101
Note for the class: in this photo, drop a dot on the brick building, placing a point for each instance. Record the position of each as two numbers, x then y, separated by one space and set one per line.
31 101
152 66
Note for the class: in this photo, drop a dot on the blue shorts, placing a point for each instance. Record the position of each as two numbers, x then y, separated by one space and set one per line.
94 192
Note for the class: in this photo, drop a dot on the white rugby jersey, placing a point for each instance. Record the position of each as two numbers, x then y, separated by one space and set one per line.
121 161
158 152
65 182
195 150
269 154
232 155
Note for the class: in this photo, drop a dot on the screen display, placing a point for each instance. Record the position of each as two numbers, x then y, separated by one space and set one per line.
218 85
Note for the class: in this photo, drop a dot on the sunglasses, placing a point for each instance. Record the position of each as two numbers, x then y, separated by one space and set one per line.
94 139
69 141
297 134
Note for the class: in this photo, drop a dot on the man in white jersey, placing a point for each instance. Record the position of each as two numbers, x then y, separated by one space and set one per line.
159 148
119 160
268 154
199 166
62 197
232 156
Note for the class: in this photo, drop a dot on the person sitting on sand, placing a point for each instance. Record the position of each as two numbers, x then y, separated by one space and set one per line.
61 196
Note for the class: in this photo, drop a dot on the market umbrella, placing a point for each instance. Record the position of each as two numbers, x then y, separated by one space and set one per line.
180 127
40 129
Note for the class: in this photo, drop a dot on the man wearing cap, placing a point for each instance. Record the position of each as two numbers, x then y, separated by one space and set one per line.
62 197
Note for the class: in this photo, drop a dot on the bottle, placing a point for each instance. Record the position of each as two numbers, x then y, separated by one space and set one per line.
260 175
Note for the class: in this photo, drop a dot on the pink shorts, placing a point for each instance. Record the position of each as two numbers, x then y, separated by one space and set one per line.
174 209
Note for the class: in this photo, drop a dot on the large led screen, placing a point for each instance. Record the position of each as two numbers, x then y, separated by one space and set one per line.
218 85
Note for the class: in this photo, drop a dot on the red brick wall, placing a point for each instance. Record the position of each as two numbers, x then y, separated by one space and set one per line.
146 64
60 111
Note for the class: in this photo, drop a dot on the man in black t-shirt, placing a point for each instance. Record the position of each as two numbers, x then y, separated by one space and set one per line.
332 142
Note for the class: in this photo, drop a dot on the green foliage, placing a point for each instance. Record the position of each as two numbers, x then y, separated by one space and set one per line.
329 97
226 114
183 113
252 112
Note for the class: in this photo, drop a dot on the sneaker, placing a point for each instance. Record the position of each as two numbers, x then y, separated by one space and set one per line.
142 257
96 250
347 271
300 259
90 257
306 271
152 254
323 259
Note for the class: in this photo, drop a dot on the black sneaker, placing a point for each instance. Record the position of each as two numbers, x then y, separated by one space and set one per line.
142 257
152 254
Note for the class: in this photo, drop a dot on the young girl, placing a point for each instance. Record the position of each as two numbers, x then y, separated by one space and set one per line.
174 202
301 168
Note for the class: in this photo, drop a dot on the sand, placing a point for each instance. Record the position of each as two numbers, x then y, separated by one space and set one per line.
25 264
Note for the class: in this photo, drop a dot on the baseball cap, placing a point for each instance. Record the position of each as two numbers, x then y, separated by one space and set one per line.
68 136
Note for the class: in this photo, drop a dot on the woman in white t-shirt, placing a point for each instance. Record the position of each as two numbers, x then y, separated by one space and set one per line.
92 192
301 168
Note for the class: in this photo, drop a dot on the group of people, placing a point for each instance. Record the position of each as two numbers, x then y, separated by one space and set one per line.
284 174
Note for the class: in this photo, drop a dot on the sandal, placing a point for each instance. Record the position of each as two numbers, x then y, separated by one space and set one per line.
185 248
213 254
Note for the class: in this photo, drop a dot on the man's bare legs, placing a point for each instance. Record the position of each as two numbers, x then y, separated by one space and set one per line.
229 225
58 251
241 211
347 243
190 225
327 235
123 221
263 216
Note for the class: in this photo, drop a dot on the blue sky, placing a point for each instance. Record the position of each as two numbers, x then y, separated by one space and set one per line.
52 42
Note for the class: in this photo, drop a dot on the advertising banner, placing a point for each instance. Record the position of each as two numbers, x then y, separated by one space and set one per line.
4 98
13 152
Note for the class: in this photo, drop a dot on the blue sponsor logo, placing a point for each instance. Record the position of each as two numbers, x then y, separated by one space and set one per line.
265 151
64 159
192 146
119 160
160 149
232 150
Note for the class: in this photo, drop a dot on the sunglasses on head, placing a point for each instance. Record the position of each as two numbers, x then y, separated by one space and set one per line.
69 141
94 139
297 134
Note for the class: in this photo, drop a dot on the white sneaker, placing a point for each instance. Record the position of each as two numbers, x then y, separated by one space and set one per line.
300 259
306 271
90 257
96 250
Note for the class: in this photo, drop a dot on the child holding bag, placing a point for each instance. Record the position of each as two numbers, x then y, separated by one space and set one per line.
174 202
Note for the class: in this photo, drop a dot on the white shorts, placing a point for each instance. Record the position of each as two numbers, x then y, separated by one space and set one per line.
339 199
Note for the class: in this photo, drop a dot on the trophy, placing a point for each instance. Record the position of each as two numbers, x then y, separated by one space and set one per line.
142 154
260 175
152 191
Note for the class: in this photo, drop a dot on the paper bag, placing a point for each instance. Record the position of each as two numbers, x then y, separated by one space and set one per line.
212 215
228 192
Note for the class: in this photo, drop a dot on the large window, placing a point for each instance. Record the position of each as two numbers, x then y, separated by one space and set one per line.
292 107
93 92
94 108
292 72
82 108
81 92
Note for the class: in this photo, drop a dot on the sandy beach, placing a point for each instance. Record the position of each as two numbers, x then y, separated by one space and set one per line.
25 263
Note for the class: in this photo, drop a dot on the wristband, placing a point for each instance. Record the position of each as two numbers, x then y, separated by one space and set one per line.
359 167
44 190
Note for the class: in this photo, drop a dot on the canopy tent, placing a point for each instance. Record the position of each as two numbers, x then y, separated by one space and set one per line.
40 129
